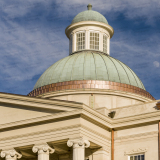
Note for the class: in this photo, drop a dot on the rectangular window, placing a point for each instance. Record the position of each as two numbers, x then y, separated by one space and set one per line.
94 40
105 38
80 41
137 157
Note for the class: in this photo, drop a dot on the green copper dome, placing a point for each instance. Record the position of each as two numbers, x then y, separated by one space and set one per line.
89 65
89 15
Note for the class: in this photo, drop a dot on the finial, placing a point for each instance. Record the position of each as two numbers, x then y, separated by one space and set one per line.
89 7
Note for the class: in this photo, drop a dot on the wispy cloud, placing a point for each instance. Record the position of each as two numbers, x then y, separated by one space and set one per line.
32 37
131 9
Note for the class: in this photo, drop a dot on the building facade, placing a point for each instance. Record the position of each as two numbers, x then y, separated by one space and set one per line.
88 105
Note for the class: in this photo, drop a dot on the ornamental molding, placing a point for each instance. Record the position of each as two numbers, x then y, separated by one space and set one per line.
104 148
39 119
141 135
43 149
136 151
39 102
95 132
86 112
93 23
76 143
26 137
136 119
40 132
97 91
10 154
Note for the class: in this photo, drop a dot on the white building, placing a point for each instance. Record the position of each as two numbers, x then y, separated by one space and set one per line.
88 105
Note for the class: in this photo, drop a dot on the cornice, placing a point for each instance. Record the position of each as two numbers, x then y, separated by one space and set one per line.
96 117
30 122
39 132
152 117
136 136
85 112
134 105
51 95
73 26
58 105
95 132
91 115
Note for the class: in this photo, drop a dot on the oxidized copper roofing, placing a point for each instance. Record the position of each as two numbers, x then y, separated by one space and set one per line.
89 65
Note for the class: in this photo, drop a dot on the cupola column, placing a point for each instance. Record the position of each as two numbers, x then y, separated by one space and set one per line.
43 151
87 39
108 43
74 42
79 146
10 154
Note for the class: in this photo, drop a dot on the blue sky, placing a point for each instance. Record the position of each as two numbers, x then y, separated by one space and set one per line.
32 37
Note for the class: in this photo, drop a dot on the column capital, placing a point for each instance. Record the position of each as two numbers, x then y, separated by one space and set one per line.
43 149
78 143
10 154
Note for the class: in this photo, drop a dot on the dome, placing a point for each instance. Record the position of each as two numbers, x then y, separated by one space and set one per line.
89 65
89 15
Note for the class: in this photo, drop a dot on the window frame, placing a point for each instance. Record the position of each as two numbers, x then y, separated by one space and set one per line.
83 42
136 155
89 39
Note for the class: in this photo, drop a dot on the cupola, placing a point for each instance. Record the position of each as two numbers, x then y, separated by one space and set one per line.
89 30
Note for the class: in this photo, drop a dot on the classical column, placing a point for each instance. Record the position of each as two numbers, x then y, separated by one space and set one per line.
79 146
10 154
43 151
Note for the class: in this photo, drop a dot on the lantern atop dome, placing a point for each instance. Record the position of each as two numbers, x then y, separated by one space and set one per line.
89 30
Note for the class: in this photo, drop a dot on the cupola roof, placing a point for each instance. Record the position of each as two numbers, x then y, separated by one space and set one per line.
89 15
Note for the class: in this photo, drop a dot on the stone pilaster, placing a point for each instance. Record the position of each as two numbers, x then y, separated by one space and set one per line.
10 154
101 154
79 146
43 151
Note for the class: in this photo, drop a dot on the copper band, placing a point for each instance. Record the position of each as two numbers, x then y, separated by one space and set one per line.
90 84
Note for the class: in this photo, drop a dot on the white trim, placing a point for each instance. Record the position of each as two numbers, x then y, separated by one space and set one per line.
101 25
92 30
87 39
136 151
82 40
80 31
70 43
108 45
74 42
